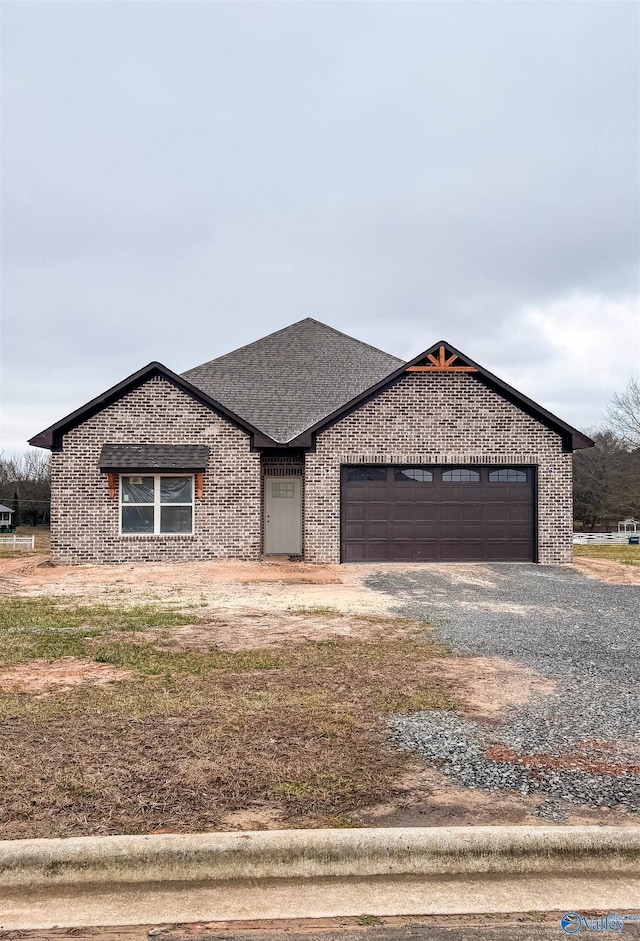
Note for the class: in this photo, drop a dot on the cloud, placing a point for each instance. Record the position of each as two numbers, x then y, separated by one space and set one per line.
594 347
179 179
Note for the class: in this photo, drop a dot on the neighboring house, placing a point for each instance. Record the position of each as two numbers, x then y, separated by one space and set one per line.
310 443
5 518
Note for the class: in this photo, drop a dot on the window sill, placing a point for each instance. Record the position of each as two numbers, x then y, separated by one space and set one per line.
153 537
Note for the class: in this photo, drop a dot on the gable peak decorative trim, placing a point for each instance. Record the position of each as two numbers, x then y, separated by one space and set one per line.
442 363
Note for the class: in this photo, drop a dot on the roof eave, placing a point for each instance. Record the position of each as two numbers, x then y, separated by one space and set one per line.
51 437
579 441
572 439
115 468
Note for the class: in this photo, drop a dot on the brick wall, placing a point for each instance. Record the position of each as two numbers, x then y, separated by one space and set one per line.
424 418
431 418
84 519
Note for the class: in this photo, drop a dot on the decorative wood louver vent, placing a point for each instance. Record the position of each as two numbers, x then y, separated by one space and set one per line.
443 362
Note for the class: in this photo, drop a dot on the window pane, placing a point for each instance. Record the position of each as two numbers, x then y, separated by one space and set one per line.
175 519
137 519
414 473
175 490
137 489
367 473
282 489
508 475
461 475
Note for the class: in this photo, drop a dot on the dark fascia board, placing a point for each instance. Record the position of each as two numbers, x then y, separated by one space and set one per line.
52 437
143 469
572 439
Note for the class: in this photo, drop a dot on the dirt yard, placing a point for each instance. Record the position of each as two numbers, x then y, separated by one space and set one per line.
617 565
159 698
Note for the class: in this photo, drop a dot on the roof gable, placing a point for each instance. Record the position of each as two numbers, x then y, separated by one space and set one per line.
293 378
288 386
51 437
444 357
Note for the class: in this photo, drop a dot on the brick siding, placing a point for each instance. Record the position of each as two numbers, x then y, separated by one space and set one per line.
85 520
424 418
431 418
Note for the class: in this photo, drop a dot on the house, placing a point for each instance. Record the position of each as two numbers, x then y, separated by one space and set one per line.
5 518
312 444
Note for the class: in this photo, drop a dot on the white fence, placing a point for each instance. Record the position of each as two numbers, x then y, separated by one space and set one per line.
601 539
18 542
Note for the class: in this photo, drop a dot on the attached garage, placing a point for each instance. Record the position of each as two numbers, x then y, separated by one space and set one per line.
434 513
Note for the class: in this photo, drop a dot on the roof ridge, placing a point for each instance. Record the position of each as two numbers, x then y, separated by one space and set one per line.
348 336
296 323
246 346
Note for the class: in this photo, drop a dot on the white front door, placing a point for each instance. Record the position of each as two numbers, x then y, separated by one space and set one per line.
283 515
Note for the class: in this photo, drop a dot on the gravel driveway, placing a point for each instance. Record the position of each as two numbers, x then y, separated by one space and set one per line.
580 744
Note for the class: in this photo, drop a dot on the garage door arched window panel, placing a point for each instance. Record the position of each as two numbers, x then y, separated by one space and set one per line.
156 505
366 474
508 475
461 475
414 474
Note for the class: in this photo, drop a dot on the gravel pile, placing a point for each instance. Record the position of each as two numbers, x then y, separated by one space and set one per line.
580 632
461 745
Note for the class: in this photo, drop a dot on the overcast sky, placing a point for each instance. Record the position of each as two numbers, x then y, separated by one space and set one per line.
181 178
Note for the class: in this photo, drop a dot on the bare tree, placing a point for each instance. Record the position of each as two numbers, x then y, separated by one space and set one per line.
25 485
605 482
623 414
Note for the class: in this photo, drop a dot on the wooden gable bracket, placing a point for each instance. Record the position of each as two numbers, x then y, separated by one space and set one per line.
441 364
199 485
111 480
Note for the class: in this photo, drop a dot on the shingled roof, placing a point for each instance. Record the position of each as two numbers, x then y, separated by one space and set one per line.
154 457
288 381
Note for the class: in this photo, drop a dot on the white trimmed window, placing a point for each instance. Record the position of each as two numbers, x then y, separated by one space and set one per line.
156 505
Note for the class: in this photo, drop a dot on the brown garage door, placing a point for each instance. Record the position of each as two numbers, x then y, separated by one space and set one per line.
438 514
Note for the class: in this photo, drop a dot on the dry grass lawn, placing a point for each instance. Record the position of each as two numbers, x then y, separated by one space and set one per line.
200 696
190 736
617 565
628 555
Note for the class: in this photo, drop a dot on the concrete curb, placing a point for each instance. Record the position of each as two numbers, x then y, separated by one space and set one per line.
314 854
142 880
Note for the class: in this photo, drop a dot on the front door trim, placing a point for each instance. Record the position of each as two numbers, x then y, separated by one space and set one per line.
282 515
